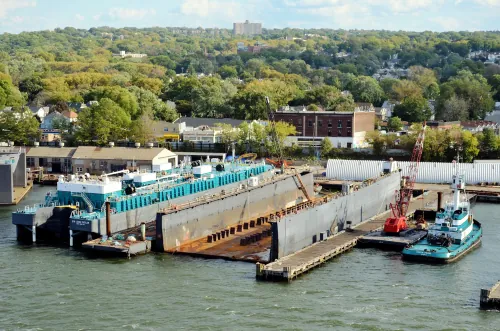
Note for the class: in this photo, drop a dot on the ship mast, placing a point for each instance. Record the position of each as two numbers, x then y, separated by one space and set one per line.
458 183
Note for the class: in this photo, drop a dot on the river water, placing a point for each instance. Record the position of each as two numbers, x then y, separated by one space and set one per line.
50 288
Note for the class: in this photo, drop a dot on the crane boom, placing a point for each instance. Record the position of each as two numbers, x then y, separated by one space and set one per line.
397 222
281 163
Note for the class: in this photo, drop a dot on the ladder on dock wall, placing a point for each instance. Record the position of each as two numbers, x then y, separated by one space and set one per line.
85 199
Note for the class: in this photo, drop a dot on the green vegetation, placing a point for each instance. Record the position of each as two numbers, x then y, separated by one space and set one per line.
440 145
75 65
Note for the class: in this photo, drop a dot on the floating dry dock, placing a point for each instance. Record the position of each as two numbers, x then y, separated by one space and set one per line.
290 267
490 299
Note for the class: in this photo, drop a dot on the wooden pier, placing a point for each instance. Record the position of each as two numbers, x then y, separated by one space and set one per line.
490 299
294 265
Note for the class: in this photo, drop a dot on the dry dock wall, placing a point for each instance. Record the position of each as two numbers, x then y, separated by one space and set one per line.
175 228
296 231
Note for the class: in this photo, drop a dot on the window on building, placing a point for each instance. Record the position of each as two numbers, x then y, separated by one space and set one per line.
329 133
165 129
340 133
349 132
349 123
339 145
79 169
349 145
299 121
310 123
339 125
329 123
30 161
320 123
42 162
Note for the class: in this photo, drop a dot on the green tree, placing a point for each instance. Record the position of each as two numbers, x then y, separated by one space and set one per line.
387 85
413 109
488 143
140 129
455 109
471 87
148 103
227 72
377 141
343 104
326 147
404 89
423 77
180 90
19 126
470 146
213 98
119 95
250 101
367 89
326 96
9 95
228 133
103 123
431 91
394 124
31 86
283 130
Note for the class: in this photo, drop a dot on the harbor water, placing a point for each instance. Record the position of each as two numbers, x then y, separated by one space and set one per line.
56 288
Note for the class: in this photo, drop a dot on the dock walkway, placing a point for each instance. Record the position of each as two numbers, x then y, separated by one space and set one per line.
293 265
490 299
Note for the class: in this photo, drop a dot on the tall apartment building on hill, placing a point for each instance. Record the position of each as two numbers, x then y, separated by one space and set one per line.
247 28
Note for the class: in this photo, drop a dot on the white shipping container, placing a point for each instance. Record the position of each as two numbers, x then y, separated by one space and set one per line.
145 177
203 169
162 167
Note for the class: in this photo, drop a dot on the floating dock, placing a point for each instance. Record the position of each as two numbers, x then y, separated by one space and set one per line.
118 245
292 266
377 239
490 298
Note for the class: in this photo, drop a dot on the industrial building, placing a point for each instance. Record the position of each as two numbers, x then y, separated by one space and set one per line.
52 159
93 159
344 129
96 160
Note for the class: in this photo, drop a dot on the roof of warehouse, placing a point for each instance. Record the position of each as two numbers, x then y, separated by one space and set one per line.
57 152
196 122
119 153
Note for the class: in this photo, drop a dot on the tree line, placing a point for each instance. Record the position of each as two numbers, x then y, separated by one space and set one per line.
75 65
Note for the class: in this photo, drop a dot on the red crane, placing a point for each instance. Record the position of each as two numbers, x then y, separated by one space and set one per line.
397 222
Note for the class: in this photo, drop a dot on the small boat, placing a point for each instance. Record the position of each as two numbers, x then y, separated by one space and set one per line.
454 233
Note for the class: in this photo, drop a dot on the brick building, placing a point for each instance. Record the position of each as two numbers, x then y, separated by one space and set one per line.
344 129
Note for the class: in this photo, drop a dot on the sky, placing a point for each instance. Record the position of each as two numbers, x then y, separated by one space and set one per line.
411 15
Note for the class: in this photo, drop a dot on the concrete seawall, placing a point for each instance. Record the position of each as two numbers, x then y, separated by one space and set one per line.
294 232
176 228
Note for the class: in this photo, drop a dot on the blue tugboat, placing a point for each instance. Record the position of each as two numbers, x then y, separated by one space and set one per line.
454 233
